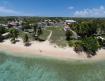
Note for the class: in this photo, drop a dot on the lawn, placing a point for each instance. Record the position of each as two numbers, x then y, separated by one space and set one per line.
44 35
58 36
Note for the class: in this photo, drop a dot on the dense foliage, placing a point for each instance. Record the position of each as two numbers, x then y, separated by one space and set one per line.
2 30
25 39
13 34
90 32
90 45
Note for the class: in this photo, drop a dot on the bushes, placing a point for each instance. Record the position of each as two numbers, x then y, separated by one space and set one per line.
85 29
78 47
89 45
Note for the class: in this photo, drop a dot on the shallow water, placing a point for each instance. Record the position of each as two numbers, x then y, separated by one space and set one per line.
40 69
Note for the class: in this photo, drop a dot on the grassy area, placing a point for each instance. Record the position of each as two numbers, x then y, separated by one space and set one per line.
38 69
44 35
58 36
72 42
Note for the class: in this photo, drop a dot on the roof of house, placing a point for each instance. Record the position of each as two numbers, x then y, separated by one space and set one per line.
70 21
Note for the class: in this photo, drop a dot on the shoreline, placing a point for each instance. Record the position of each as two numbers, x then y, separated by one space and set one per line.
46 49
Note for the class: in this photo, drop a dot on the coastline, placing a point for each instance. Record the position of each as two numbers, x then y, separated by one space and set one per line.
46 49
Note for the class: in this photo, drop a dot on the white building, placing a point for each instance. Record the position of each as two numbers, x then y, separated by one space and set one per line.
69 21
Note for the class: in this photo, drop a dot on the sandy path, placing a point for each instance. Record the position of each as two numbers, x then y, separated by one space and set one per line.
48 38
47 50
74 34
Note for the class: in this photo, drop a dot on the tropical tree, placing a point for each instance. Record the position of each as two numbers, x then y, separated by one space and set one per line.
78 47
102 27
0 36
90 45
25 39
25 25
13 34
40 31
85 29
37 31
2 31
68 35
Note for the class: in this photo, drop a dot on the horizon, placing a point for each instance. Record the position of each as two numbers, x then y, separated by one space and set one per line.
55 8
55 16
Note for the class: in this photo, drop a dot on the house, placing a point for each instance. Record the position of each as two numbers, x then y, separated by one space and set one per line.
15 24
66 28
69 21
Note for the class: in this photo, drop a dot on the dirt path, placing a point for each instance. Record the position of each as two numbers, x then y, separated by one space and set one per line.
49 36
74 34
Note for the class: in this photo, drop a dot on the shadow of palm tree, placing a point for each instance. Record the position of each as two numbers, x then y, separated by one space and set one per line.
17 40
1 41
41 40
27 44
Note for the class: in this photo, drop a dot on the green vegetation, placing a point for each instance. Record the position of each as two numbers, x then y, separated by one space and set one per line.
58 36
37 31
91 38
90 34
89 45
87 35
68 35
2 31
78 46
25 38
85 29
44 35
13 34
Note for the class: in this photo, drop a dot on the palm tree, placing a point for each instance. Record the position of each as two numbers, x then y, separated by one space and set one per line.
37 31
0 34
25 25
102 28
68 35
0 37
26 39
2 31
83 30
13 34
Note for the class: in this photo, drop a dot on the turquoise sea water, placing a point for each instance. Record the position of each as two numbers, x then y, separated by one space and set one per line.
40 69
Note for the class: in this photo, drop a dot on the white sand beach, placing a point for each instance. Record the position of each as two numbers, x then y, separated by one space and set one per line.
48 50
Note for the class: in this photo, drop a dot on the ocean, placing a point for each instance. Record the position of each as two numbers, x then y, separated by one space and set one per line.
14 68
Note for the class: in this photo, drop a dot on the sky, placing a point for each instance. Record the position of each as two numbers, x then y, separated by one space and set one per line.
53 8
